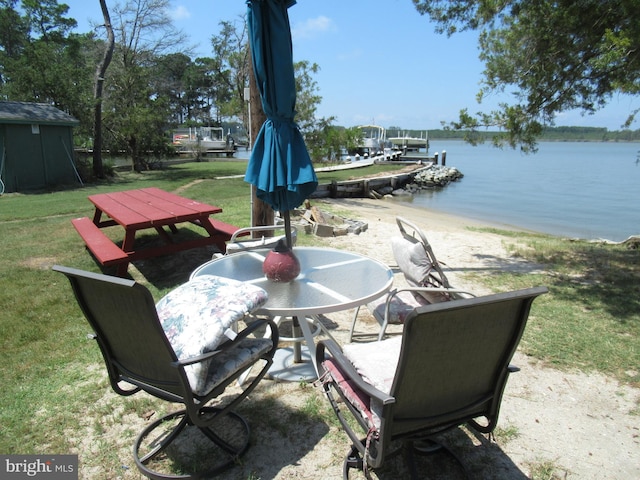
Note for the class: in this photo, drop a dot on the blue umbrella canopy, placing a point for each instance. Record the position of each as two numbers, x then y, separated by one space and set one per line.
279 166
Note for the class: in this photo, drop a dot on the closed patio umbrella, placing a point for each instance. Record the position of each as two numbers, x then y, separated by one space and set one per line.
279 166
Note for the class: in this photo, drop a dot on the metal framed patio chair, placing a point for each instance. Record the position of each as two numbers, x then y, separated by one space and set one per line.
235 244
426 280
449 368
183 350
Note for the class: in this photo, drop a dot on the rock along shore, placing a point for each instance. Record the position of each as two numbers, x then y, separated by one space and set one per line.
404 183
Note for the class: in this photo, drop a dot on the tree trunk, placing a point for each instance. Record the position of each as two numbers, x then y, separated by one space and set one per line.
261 213
98 169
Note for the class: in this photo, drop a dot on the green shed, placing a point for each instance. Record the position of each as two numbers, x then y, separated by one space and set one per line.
36 146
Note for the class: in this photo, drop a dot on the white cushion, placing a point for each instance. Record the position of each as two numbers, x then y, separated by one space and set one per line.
416 267
376 362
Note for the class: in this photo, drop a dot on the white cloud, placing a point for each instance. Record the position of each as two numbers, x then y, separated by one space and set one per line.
181 13
313 27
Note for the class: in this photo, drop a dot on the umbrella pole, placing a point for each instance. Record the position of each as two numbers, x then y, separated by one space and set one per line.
287 228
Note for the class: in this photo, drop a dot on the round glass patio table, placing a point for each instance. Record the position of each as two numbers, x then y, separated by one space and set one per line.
330 280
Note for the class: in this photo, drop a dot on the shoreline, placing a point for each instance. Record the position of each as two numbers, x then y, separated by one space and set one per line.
456 220
386 210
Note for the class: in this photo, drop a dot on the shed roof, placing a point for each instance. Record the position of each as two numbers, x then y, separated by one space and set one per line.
28 112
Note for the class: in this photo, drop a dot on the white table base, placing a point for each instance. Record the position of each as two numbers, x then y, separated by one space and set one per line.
285 368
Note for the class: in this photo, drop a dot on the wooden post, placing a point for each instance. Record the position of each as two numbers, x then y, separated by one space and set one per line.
333 189
444 157
261 213
435 158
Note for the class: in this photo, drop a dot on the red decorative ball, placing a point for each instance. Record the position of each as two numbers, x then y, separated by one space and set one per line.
281 265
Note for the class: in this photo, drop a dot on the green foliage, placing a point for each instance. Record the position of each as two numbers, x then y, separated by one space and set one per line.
556 56
230 73
151 85
307 98
326 142
39 59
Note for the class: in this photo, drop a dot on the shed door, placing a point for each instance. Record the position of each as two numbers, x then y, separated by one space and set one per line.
24 166
57 147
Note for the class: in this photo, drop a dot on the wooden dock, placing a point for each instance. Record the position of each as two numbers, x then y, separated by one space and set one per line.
366 187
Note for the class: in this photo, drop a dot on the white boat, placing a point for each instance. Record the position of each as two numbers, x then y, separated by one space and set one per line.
373 140
406 142
204 139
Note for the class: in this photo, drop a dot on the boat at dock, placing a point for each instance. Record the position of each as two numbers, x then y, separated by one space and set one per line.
204 140
410 143
373 141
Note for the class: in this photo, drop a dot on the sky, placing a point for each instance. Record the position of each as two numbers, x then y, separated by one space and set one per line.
381 62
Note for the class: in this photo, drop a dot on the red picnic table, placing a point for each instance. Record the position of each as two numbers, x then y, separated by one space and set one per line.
142 209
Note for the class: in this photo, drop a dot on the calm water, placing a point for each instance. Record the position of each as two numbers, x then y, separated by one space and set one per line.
584 190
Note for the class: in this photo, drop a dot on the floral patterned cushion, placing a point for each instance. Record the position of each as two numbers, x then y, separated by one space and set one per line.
400 307
197 316
234 360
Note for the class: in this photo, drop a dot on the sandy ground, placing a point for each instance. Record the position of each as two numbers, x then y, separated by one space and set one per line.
555 424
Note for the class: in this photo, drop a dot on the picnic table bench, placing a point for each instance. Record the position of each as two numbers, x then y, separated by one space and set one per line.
146 208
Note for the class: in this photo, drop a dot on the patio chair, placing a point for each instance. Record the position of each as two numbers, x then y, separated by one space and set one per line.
236 245
427 282
183 350
448 368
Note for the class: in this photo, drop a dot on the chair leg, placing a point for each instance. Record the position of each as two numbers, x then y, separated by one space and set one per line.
232 441
353 460
353 325
164 441
236 451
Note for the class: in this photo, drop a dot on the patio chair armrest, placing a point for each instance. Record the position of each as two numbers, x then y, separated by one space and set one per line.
261 228
252 327
233 343
348 370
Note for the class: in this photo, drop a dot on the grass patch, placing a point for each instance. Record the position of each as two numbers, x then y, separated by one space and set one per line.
545 470
591 319
506 434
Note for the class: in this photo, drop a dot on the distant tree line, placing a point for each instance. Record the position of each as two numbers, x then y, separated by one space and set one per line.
586 134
